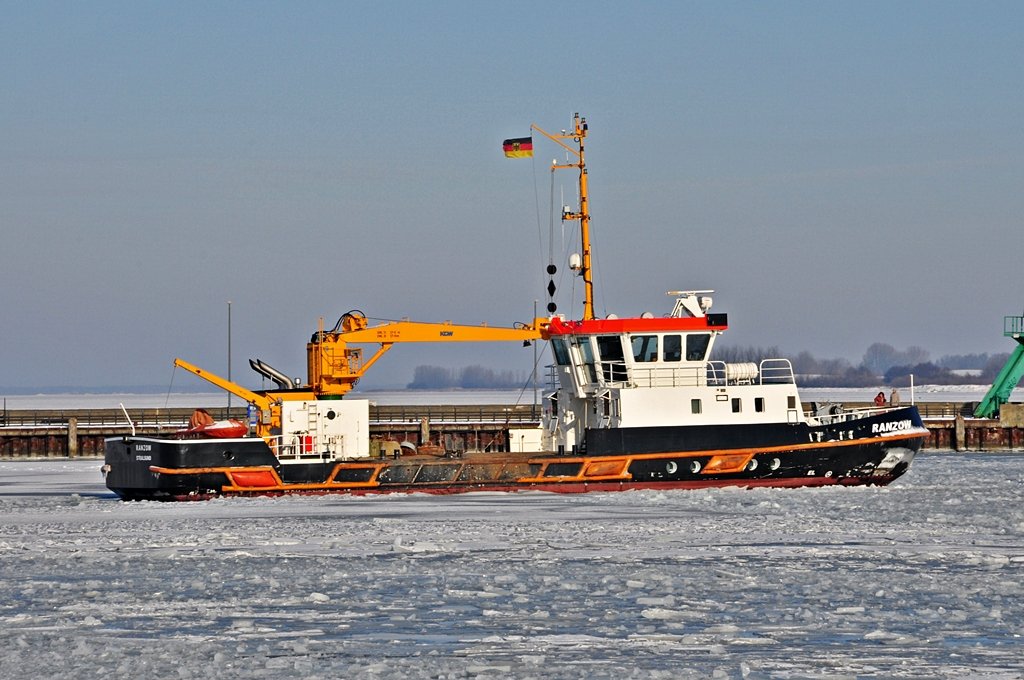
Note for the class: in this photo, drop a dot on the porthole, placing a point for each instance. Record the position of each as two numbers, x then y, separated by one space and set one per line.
695 466
671 467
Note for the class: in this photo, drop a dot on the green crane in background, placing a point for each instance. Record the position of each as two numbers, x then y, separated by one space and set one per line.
1013 370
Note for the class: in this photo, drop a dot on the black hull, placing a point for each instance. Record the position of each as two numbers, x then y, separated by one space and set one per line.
128 462
638 440
874 450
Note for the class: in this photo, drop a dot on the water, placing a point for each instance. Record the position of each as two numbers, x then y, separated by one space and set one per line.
921 579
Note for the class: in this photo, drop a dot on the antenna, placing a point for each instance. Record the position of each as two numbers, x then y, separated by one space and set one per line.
578 134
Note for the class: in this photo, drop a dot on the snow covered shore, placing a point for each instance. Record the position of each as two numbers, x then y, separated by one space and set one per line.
925 393
924 578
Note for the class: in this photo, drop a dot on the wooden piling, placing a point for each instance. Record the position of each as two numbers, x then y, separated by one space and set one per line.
72 437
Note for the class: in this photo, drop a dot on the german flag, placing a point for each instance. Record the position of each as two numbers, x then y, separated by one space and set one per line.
518 148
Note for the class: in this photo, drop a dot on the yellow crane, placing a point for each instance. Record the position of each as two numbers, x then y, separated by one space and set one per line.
334 366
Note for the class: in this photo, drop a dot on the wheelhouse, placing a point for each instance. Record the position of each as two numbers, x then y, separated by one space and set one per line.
652 371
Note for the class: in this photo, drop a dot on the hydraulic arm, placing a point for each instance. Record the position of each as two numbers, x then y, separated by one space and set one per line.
267 403
261 401
334 367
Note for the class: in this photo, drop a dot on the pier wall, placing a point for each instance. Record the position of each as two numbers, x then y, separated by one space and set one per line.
81 433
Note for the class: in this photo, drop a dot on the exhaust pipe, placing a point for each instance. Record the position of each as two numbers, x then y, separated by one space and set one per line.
271 373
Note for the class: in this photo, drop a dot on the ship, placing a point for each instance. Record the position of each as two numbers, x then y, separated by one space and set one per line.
634 403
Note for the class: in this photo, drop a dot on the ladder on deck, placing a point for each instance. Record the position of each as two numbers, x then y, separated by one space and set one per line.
1010 375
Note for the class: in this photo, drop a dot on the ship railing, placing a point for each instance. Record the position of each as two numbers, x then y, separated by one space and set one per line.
716 373
768 372
713 373
777 372
670 376
827 413
297 446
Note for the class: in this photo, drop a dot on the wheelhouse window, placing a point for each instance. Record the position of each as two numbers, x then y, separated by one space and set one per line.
673 348
613 361
697 346
561 351
587 356
645 347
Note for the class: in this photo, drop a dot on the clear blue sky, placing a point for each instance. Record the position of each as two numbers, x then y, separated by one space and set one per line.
841 173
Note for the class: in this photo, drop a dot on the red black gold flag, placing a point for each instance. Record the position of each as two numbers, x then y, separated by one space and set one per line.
518 148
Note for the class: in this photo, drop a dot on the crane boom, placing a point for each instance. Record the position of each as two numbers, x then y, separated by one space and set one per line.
334 368
261 401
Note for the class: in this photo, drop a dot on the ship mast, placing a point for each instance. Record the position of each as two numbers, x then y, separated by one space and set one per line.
578 134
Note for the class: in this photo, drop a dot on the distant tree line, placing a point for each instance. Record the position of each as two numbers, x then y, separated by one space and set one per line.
884 363
881 363
468 377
